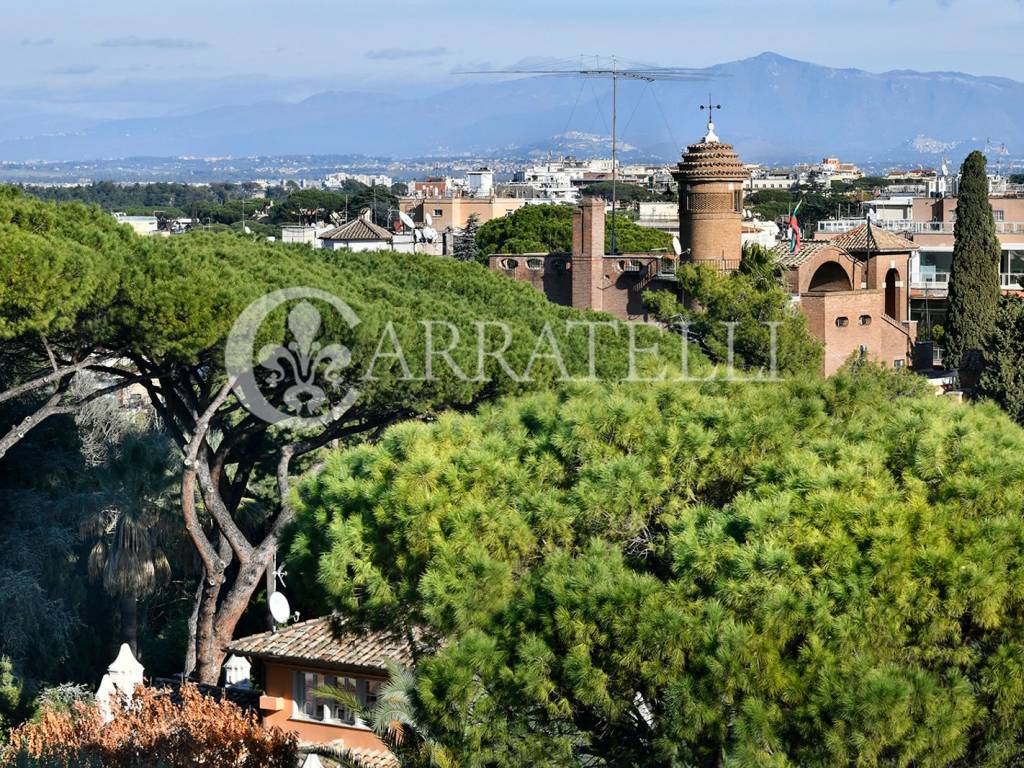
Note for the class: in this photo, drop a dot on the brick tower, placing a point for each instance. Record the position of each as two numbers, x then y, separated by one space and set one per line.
711 177
588 254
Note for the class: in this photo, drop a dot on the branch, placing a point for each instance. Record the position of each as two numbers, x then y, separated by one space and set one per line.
56 375
19 430
212 561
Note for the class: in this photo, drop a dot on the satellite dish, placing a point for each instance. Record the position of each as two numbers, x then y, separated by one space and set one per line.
279 608
428 219
247 230
429 233
406 219
677 246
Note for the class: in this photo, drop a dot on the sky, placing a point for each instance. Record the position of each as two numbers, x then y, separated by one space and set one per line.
68 60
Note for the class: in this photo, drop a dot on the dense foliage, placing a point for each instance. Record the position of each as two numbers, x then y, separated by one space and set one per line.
159 728
974 273
1002 380
814 573
165 196
624 192
157 312
740 307
229 204
548 229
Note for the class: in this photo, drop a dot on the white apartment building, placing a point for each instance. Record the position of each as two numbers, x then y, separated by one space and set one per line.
370 180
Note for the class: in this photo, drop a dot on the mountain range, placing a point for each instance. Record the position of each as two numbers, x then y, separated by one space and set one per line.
774 109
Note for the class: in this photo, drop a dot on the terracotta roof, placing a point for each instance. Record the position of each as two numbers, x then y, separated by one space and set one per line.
357 229
710 160
326 641
808 249
368 758
875 239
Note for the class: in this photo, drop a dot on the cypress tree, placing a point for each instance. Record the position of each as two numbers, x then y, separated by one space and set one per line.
974 275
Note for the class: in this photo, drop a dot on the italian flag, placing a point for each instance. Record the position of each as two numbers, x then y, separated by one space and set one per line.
794 230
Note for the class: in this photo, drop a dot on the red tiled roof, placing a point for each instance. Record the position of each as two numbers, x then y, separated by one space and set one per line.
874 239
808 249
357 229
326 641
365 757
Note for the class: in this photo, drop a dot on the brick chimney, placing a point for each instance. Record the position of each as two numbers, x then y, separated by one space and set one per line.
588 254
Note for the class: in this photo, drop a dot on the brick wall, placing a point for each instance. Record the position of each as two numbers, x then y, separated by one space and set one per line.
549 273
710 225
883 341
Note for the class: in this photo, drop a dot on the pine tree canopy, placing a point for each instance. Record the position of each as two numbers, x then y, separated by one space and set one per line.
810 573
974 274
548 228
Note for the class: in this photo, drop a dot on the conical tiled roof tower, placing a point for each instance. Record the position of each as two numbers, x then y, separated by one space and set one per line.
711 178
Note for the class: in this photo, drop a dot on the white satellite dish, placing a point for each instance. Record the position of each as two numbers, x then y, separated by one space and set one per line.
279 608
406 219
677 247
429 233
428 219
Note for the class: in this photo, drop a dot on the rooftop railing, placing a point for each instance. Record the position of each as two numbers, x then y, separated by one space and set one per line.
838 226
1008 281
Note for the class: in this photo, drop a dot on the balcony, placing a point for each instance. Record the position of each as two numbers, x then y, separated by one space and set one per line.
838 226
936 283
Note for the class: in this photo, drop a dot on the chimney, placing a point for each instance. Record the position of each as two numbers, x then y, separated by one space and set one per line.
588 254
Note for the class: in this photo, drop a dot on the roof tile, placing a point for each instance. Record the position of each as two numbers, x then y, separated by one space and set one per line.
867 238
329 641
357 229
807 250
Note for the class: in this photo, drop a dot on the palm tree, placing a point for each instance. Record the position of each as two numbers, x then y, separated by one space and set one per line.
393 720
133 516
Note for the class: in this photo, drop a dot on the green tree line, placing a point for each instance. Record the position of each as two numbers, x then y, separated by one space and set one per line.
809 573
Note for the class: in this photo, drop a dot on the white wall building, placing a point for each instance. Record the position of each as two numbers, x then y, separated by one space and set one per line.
480 183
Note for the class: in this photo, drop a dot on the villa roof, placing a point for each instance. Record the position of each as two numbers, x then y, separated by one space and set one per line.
328 641
867 238
357 229
808 250
366 756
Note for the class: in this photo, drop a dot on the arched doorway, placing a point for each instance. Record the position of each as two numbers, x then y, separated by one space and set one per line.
892 277
830 276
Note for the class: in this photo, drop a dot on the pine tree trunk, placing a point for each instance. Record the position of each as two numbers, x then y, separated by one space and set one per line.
217 623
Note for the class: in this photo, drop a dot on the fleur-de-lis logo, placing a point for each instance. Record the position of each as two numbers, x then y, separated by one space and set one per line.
306 366
301 360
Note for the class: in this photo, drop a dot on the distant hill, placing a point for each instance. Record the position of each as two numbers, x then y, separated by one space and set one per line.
774 109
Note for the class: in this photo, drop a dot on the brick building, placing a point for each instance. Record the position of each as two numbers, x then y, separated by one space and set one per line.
852 289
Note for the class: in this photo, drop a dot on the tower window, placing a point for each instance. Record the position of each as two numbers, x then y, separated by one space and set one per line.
842 322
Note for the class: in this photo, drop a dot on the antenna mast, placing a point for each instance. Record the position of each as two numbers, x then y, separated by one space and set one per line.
646 75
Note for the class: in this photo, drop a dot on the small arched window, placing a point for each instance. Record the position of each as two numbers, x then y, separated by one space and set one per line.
842 322
509 264
629 265
864 320
535 264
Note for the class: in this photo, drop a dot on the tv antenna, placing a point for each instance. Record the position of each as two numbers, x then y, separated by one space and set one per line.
615 73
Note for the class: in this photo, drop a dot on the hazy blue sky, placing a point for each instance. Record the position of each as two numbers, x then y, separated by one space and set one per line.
116 58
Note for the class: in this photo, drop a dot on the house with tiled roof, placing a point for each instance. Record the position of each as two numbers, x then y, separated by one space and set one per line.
291 664
360 234
853 291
